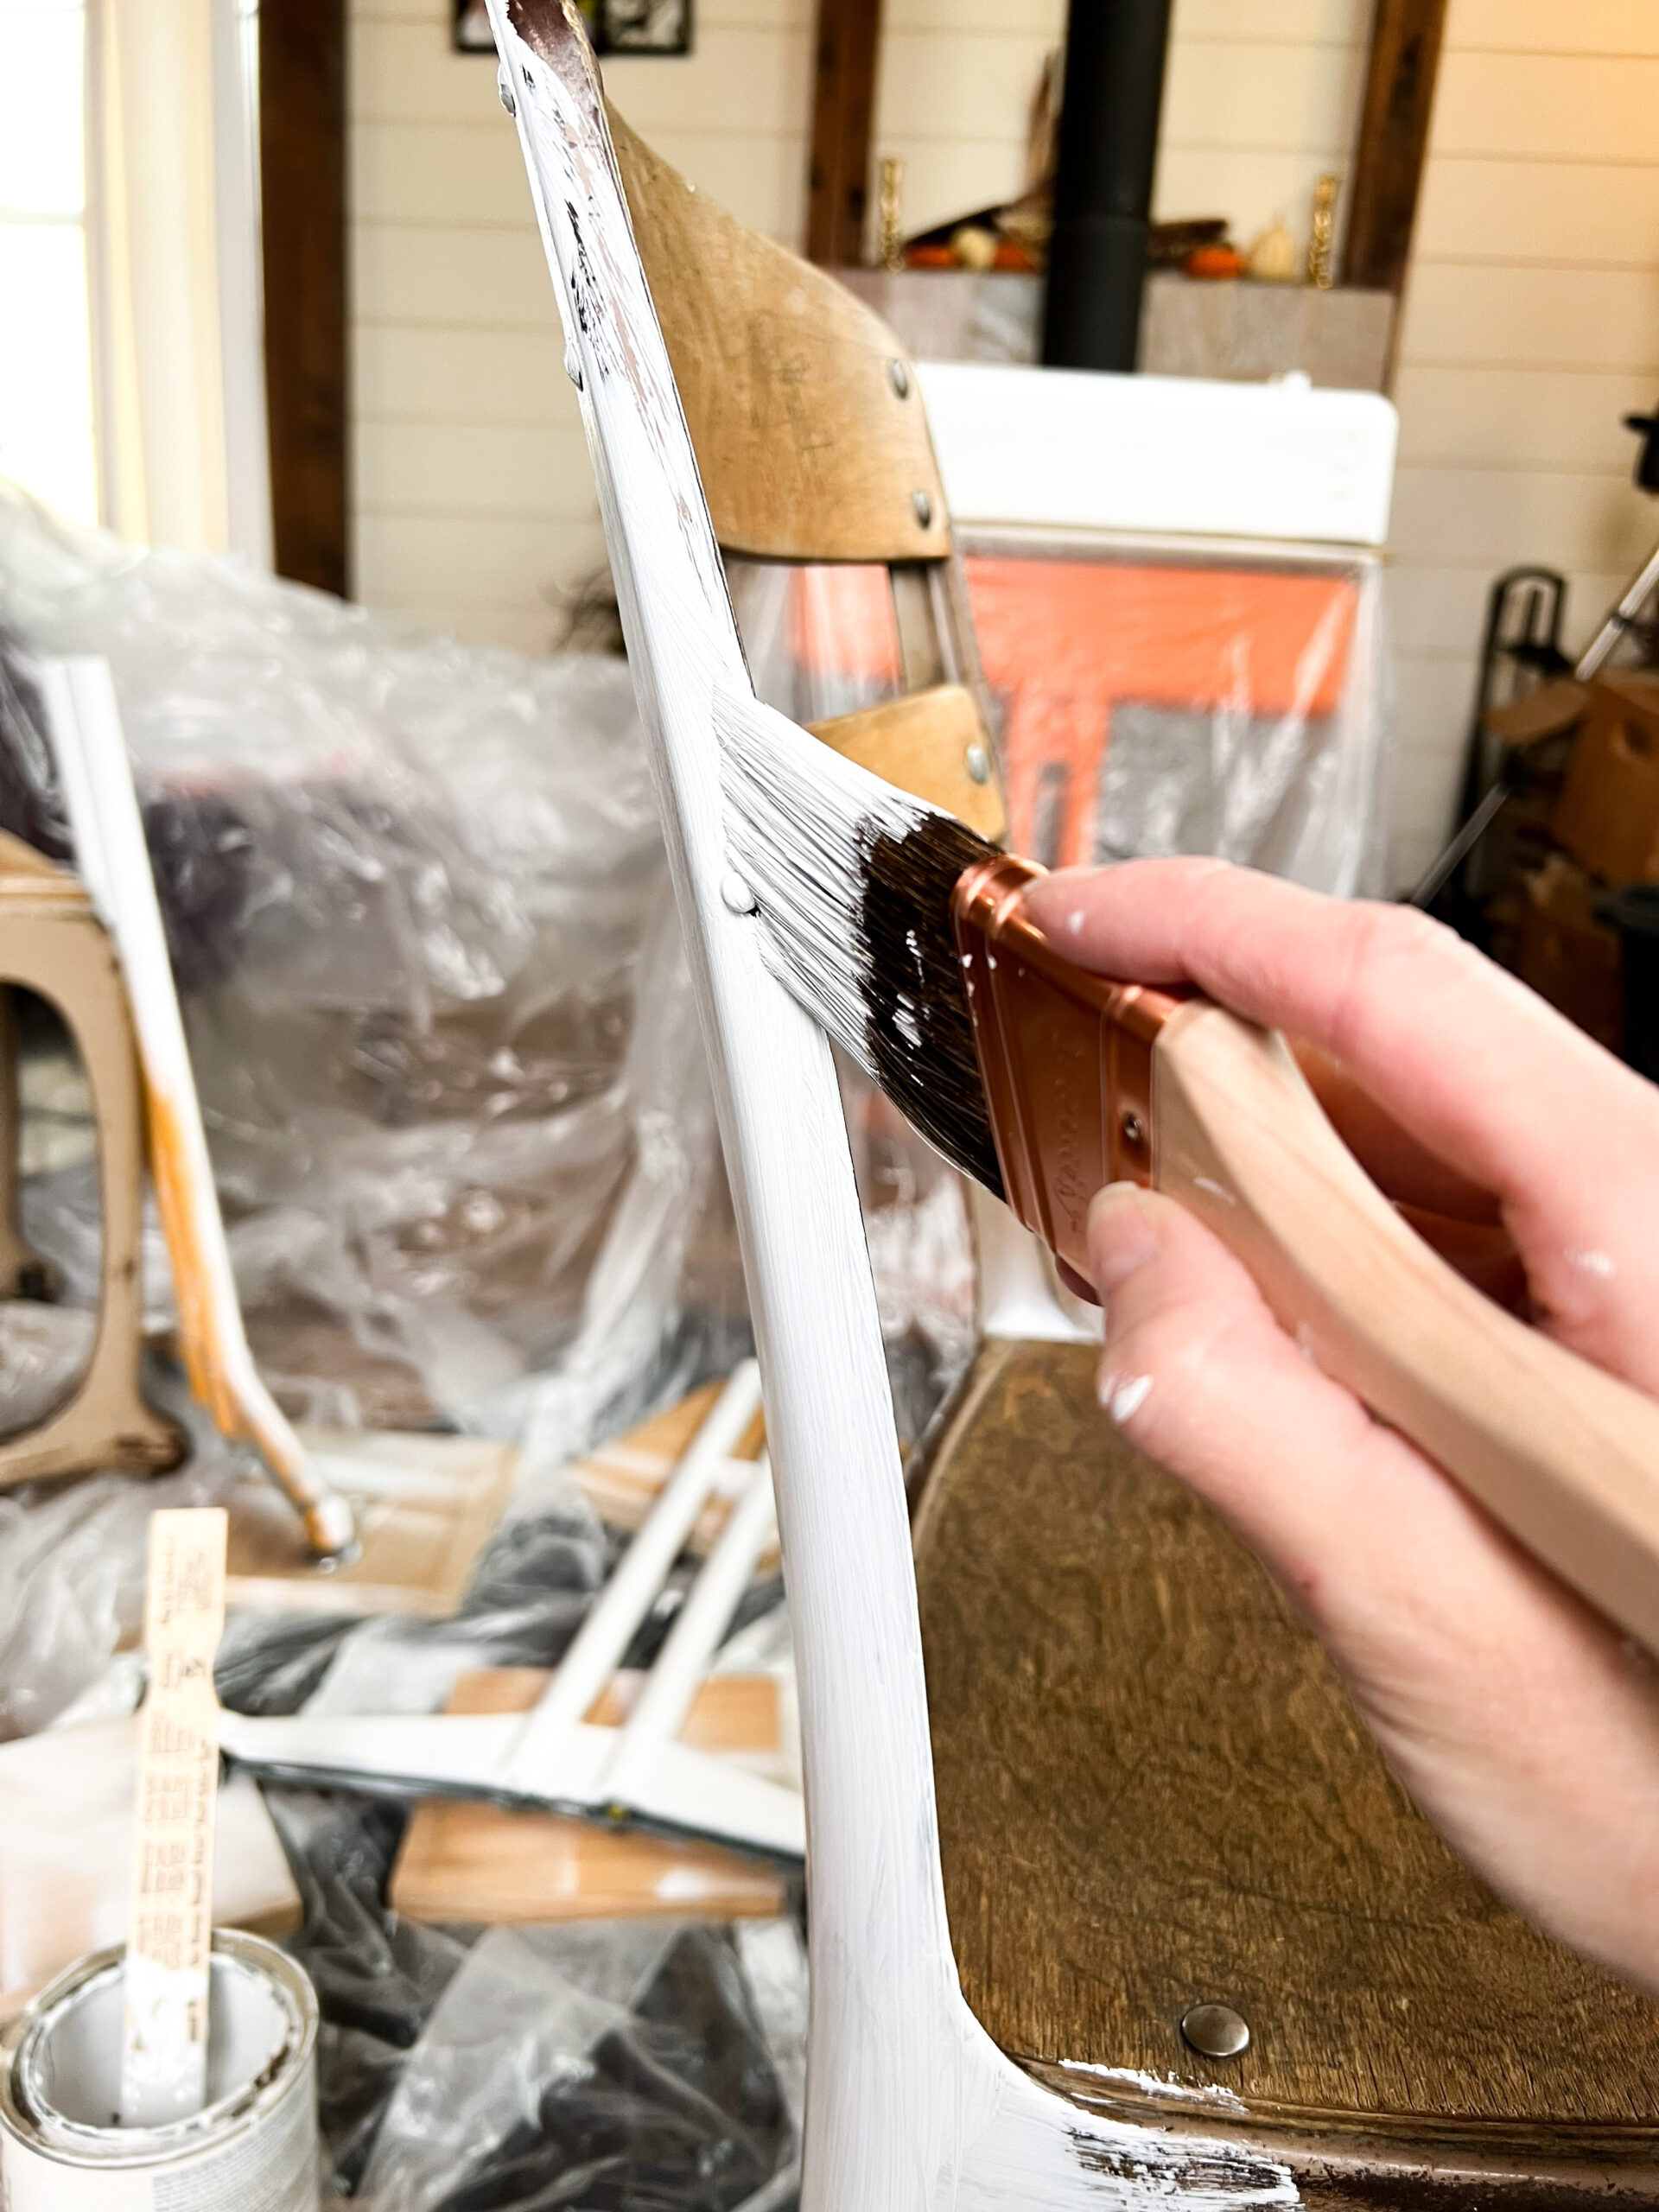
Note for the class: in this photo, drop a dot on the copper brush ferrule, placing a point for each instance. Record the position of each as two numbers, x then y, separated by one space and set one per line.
1066 1058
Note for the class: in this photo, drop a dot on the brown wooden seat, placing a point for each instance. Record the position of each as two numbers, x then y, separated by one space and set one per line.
1153 1793
1153 1790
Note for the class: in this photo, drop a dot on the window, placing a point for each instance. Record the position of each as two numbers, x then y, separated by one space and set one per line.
47 437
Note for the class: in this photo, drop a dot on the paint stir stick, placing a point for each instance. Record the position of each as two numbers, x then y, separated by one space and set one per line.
170 1920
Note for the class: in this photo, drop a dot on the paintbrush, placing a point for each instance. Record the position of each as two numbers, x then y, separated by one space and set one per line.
902 932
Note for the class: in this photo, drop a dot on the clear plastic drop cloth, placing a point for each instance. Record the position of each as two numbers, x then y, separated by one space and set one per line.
417 899
1149 699
44 1350
1216 700
72 1562
606 2064
437 1002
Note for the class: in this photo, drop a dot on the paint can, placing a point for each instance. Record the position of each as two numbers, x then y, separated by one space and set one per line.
251 2148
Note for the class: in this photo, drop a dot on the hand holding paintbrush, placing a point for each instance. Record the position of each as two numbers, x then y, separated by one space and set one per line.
1049 1038
1523 1725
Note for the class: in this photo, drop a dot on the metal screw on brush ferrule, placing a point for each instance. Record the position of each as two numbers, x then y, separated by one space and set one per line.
922 507
899 377
504 90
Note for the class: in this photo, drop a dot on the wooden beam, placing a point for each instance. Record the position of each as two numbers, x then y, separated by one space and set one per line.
302 184
848 32
1392 140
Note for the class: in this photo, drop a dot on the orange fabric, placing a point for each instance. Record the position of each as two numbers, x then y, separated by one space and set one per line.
1171 636
1063 641
840 623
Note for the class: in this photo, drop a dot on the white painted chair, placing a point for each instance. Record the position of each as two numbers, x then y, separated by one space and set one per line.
911 2103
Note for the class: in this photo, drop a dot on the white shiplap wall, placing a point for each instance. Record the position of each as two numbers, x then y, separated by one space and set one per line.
1531 320
473 501
953 91
473 504
1531 324
1259 97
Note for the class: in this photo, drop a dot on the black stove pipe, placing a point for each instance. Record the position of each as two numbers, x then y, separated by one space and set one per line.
1114 54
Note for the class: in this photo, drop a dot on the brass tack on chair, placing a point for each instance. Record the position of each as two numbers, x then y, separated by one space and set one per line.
1215 2030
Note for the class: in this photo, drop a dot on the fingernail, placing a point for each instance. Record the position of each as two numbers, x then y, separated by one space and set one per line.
1122 1235
1121 1396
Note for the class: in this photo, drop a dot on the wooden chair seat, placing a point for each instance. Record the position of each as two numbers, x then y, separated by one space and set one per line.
1153 1793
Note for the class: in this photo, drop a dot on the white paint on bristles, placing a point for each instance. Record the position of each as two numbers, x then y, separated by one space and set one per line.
801 819
909 2103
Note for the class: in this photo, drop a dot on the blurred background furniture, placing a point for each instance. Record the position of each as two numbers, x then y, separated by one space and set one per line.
1557 832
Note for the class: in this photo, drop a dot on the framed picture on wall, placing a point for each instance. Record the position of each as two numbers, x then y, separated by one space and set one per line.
615 26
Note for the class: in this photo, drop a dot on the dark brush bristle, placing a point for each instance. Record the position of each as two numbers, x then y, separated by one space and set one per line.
918 1032
852 881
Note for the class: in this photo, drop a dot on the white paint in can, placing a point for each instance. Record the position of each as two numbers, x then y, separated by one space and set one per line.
251 2148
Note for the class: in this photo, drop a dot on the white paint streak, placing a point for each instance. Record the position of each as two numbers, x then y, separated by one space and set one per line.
164 2057
1594 1263
1074 921
1165 2086
1212 1189
1038 2149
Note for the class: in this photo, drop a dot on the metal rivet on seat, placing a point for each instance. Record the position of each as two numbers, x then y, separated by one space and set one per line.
977 761
1215 2030
922 507
899 377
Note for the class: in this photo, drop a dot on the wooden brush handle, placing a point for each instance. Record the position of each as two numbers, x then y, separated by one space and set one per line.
1564 1456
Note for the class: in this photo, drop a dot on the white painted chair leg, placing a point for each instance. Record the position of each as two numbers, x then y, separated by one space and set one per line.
629 1595
84 729
555 1757
665 1696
